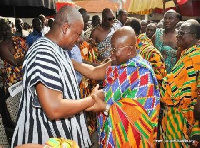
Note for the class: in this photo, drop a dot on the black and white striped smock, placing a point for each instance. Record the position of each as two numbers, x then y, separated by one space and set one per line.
50 64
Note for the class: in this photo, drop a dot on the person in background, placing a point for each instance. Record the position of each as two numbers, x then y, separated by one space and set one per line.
178 25
165 39
86 18
37 28
50 104
45 28
143 26
135 24
147 50
75 54
150 30
179 91
121 17
132 95
20 32
103 33
96 21
12 52
50 22
160 24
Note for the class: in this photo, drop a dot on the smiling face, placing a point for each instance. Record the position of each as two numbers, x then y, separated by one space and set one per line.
73 33
123 45
185 36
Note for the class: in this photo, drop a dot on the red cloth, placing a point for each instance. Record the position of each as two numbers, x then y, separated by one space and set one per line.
181 2
61 4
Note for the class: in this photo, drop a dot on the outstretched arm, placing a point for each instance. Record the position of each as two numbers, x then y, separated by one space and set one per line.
91 72
56 107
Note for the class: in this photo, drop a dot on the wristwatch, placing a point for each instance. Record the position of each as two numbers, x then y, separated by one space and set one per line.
106 111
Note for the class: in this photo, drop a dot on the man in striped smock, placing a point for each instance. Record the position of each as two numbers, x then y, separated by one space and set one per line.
50 106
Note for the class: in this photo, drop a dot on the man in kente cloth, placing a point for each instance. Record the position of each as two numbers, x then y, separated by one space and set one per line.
129 116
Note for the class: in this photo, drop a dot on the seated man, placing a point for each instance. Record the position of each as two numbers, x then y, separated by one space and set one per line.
132 97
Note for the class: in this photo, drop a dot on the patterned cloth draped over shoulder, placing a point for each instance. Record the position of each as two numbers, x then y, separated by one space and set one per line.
151 54
14 73
132 91
179 94
89 53
168 53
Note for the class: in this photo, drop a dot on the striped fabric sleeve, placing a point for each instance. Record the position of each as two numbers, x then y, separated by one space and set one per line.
45 69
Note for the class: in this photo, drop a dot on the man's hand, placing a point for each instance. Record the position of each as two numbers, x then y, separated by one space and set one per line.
98 96
98 93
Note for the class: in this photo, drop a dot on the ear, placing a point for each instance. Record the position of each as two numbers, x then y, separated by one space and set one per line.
65 27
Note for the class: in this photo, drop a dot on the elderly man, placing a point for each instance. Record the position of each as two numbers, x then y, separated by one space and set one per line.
130 111
150 30
179 90
51 105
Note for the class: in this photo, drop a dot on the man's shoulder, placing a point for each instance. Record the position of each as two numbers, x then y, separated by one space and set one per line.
98 29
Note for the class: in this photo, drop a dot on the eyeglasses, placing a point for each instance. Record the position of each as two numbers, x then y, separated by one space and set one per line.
182 33
120 48
110 19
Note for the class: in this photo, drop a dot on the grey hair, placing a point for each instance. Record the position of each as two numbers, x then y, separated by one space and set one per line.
67 14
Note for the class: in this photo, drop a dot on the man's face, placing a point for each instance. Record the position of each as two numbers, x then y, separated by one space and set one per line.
38 25
170 20
143 26
123 17
73 33
109 19
150 31
120 51
96 21
185 36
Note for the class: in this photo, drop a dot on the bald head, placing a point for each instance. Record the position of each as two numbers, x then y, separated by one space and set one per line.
123 43
124 35
194 27
67 14
174 12
105 12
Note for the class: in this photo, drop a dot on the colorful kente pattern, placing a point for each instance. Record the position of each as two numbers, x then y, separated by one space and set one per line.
60 143
89 53
151 54
132 91
14 73
179 94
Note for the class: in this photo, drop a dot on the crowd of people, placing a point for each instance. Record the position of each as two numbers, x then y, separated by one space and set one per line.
135 82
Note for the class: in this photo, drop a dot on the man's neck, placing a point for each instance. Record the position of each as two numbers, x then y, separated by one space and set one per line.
105 27
171 30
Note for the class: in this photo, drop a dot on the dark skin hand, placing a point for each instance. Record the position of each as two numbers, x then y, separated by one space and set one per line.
56 107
